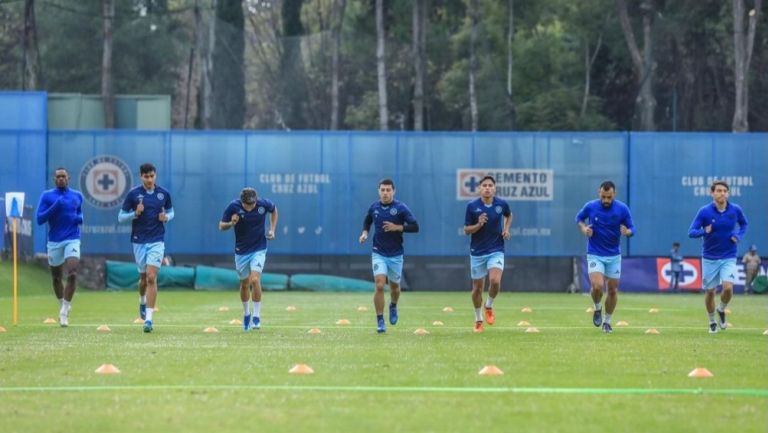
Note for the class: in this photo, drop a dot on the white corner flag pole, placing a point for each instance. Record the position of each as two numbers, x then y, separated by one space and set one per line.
14 202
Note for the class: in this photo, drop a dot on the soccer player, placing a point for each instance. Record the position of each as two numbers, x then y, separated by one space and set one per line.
391 218
487 219
607 220
62 209
148 208
716 222
248 216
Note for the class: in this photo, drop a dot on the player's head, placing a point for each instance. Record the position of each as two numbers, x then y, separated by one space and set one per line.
607 192
719 191
148 174
676 245
61 177
487 187
248 196
386 190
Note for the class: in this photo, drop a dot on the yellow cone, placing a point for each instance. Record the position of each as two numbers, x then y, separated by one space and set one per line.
107 369
523 323
50 321
290 308
421 331
2 329
343 322
622 323
653 310
210 330
727 311
301 369
652 331
526 310
490 370
532 330
766 332
440 323
139 320
103 328
590 310
314 331
235 322
362 309
223 309
448 309
700 372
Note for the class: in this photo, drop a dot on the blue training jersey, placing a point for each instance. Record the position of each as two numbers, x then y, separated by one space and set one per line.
147 228
62 209
488 239
389 244
605 222
250 229
717 243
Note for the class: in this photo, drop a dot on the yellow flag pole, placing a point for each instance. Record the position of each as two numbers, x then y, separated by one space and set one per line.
15 278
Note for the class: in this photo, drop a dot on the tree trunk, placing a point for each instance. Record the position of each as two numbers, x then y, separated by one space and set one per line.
228 59
510 63
381 66
589 61
742 56
31 53
642 61
474 12
107 89
337 19
419 39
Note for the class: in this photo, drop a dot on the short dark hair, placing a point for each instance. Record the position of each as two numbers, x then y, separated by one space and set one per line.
607 185
488 177
248 195
719 182
675 244
147 167
60 169
387 181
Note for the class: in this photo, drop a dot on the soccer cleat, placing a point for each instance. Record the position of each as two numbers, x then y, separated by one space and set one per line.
478 327
246 322
489 317
256 322
63 320
607 328
143 311
380 326
721 315
393 314
713 328
147 326
597 318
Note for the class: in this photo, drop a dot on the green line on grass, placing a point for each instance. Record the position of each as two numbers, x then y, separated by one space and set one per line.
398 389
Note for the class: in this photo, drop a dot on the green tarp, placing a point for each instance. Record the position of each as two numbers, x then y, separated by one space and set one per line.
210 278
330 283
124 276
760 284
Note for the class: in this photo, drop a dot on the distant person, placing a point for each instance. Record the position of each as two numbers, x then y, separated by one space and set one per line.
751 267
716 223
487 219
148 208
62 209
390 218
675 267
248 216
607 220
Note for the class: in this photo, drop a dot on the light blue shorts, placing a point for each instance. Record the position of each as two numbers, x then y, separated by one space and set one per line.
392 267
252 262
609 266
480 265
717 272
60 251
148 255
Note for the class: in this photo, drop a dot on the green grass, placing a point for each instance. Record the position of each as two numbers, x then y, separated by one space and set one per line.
570 377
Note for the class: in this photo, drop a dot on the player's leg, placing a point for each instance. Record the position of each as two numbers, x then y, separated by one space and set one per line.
140 255
69 271
380 271
611 299
394 274
710 281
728 277
478 271
244 297
495 270
254 281
154 258
596 269
56 262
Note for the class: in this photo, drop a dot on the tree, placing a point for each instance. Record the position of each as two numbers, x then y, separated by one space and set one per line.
107 85
742 58
32 76
337 18
419 62
381 66
228 75
474 16
510 62
643 61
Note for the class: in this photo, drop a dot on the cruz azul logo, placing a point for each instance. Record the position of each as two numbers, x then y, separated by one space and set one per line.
104 181
690 277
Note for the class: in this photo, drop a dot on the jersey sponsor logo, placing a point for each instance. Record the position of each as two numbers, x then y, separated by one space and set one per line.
690 276
105 181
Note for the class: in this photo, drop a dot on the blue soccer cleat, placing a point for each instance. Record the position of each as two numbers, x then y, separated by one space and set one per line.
143 311
597 318
393 314
607 328
256 323
713 328
147 326
246 322
722 322
381 327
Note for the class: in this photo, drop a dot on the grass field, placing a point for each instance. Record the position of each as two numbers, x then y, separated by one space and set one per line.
569 377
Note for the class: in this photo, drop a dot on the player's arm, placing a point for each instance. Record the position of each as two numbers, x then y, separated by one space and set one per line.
586 229
696 230
229 219
366 227
627 227
166 215
272 223
79 210
505 234
46 208
470 225
742 220
127 214
410 225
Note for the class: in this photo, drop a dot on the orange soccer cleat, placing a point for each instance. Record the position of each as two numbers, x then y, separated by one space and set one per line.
478 327
489 317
